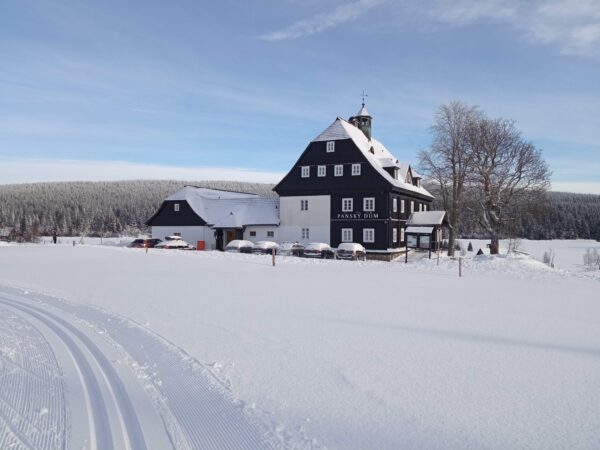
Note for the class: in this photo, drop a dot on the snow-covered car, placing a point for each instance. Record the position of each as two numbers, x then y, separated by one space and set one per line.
239 246
291 249
351 250
175 244
318 250
266 247
145 243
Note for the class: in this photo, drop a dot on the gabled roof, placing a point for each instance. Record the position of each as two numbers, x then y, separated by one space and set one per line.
423 218
225 209
373 150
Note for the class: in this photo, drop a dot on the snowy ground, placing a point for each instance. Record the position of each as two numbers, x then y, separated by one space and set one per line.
313 354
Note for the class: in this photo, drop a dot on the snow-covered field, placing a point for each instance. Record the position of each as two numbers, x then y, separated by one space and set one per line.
308 354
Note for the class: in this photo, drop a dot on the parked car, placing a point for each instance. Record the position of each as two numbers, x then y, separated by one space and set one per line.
318 250
175 244
145 243
239 246
353 251
291 249
265 248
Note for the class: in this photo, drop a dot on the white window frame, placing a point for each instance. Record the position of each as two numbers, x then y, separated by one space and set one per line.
305 233
420 207
401 234
355 169
412 206
338 170
330 146
321 171
176 207
402 206
394 235
347 234
424 207
369 235
305 171
395 204
366 202
347 204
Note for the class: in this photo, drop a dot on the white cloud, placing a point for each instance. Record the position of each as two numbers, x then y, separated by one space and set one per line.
324 21
579 187
17 170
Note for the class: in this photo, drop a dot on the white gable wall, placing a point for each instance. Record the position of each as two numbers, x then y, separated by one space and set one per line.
261 233
189 234
317 219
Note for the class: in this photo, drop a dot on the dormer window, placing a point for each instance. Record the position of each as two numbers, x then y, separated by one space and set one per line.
330 146
176 207
338 170
355 169
305 171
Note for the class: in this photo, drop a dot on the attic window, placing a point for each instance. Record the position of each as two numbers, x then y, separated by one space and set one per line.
305 173
176 207
355 169
330 146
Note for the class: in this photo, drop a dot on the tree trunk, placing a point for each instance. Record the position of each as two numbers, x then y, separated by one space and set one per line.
451 241
495 244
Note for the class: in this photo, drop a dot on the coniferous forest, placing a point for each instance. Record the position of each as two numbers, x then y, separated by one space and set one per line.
122 208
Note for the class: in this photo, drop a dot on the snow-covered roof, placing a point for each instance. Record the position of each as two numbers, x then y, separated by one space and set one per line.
419 230
363 111
341 129
224 209
426 218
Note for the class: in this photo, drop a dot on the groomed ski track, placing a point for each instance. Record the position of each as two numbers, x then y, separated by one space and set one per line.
110 401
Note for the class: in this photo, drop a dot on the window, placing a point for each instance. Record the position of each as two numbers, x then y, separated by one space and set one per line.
369 204
395 205
330 146
401 234
270 234
305 233
177 234
176 207
368 234
347 204
394 234
424 207
303 205
305 171
420 206
402 206
412 206
321 171
346 234
253 234
355 169
339 170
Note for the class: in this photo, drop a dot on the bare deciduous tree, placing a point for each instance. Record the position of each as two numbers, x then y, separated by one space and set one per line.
447 162
509 174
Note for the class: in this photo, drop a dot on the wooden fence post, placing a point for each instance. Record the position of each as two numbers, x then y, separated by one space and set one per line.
460 266
273 256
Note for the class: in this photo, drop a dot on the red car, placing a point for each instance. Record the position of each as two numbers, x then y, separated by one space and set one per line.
145 243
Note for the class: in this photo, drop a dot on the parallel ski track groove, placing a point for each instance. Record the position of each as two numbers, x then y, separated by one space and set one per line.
132 426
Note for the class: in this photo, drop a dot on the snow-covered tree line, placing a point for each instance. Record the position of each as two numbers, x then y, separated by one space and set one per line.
94 208
562 216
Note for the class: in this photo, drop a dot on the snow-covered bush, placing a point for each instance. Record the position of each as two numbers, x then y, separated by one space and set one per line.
548 258
591 258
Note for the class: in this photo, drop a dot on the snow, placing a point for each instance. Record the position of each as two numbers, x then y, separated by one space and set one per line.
224 209
426 218
422 230
355 355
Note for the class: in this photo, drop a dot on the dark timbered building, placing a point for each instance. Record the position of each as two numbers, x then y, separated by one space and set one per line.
347 187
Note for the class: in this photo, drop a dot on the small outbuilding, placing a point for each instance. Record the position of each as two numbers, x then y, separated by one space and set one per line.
424 230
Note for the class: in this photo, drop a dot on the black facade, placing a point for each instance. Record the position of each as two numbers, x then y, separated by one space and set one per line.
167 215
383 219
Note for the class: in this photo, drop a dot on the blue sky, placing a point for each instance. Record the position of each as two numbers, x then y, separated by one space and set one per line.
194 89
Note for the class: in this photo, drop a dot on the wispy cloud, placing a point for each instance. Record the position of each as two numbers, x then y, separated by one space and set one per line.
21 170
324 21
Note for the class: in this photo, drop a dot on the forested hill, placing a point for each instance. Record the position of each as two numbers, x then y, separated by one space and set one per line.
99 208
122 207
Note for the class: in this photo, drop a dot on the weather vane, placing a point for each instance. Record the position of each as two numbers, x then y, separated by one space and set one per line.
364 95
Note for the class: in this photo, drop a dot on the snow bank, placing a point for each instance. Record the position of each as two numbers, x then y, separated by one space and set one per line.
362 355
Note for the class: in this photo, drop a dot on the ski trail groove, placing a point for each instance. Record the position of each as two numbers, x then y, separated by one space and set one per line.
131 429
